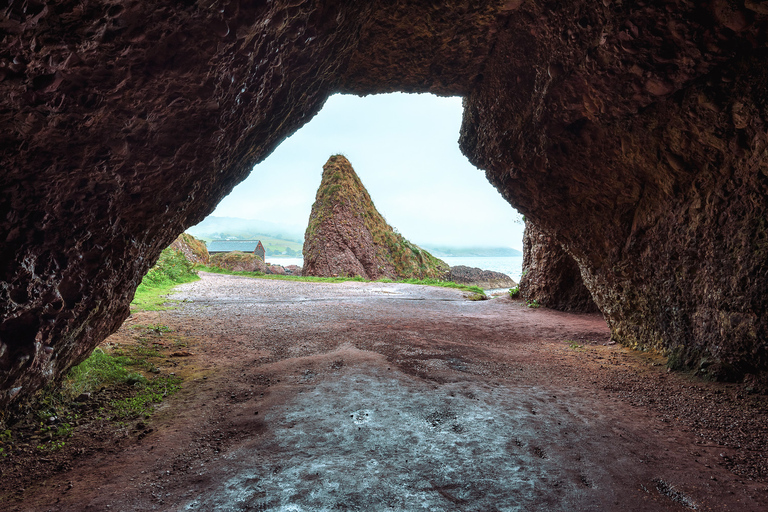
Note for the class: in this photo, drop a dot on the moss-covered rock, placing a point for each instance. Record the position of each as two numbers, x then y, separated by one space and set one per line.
238 261
193 249
347 236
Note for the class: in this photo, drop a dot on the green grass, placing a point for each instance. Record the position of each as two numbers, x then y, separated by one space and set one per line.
314 279
574 345
171 269
514 292
533 303
150 393
100 369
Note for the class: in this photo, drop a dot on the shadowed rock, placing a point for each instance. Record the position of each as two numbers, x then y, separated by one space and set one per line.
550 276
635 134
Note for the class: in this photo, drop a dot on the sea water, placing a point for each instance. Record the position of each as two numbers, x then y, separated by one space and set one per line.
510 265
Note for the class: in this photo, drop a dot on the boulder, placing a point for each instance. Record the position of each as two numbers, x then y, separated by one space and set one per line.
293 270
275 269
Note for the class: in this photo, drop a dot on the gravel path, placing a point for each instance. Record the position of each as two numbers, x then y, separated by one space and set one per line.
369 396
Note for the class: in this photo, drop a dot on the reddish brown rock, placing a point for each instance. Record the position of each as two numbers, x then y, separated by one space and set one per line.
550 276
486 279
275 269
660 197
635 133
346 236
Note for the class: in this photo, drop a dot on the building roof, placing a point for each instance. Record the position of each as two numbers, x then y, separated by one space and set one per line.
233 245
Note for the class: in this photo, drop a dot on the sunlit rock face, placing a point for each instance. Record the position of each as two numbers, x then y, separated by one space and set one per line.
636 134
551 277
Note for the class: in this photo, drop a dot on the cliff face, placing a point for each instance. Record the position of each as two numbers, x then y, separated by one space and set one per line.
636 133
347 236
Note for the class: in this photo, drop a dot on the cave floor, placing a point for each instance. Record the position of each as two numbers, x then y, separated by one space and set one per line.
370 396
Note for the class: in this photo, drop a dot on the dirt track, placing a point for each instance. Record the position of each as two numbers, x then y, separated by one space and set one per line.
369 396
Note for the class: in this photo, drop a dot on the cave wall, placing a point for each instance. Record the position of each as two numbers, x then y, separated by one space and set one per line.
123 122
634 131
637 133
551 276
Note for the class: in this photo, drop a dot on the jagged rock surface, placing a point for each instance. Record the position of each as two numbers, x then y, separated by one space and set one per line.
634 131
550 276
637 134
193 249
485 279
347 236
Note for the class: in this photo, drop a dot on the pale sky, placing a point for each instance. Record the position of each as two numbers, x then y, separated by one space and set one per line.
404 148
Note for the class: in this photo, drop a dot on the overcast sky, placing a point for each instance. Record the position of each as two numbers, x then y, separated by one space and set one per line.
404 148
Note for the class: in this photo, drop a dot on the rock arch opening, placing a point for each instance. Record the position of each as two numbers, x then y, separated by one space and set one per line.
403 147
634 135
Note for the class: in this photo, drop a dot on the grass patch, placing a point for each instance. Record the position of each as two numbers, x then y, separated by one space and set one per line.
150 393
106 387
514 292
574 345
314 279
533 303
171 269
101 369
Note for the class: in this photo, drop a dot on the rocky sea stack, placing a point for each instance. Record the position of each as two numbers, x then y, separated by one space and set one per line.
347 236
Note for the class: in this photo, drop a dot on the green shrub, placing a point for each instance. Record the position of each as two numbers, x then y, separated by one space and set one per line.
171 267
514 292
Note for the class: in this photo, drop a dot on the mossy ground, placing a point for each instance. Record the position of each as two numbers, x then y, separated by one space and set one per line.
119 384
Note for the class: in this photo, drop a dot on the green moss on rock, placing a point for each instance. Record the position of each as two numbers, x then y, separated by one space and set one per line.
238 261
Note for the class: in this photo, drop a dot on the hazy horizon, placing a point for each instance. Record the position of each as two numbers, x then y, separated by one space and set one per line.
404 148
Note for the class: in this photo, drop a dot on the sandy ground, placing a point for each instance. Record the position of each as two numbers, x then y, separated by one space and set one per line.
370 396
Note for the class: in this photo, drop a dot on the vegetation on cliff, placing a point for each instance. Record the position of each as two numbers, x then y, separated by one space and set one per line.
346 235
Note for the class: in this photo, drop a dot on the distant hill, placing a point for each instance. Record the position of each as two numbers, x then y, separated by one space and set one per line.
220 228
347 236
277 239
442 251
287 239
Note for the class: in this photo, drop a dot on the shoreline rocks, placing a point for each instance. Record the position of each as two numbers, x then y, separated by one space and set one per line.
485 279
